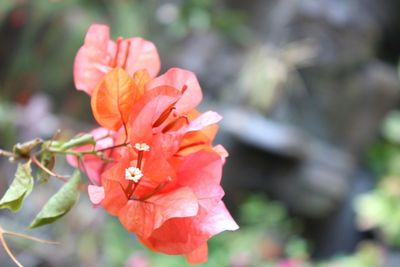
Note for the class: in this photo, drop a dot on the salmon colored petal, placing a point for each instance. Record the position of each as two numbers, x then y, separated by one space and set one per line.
141 78
199 255
114 197
112 100
142 217
217 220
142 55
202 172
148 110
184 81
117 172
184 235
205 119
138 217
178 203
92 59
199 169
156 170
197 141
96 194
221 151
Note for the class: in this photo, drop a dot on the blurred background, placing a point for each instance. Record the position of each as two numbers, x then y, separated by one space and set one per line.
309 91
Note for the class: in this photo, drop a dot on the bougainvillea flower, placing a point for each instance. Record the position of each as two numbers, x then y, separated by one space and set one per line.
93 165
163 177
99 55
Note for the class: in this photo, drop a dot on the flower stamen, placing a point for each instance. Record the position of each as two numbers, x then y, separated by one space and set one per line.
164 115
141 147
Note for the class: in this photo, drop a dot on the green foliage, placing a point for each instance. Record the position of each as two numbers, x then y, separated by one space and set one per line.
379 209
60 203
391 127
48 160
367 255
19 189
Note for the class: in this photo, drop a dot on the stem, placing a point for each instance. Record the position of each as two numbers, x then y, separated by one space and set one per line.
7 249
86 139
40 165
30 238
6 153
82 153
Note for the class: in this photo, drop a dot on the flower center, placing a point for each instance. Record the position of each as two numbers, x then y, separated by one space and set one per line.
133 174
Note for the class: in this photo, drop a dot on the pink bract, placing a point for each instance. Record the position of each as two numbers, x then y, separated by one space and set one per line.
99 55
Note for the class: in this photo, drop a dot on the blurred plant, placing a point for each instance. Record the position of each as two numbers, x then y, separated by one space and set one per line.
184 17
379 209
268 69
367 255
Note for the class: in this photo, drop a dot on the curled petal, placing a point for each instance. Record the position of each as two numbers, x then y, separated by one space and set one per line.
205 119
184 81
221 151
148 110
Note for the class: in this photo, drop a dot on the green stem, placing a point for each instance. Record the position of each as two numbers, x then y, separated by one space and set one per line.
85 139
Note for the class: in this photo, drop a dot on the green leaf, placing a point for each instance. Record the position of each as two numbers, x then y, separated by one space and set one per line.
60 203
47 160
19 189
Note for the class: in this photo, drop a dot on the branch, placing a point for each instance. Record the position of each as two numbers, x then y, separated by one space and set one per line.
7 248
40 165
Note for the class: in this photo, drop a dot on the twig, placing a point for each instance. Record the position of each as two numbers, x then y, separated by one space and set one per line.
40 165
30 237
6 153
7 249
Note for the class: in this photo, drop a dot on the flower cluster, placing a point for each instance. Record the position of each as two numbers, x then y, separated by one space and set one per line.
156 168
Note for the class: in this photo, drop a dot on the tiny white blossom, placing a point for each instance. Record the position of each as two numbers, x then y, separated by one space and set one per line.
142 146
133 174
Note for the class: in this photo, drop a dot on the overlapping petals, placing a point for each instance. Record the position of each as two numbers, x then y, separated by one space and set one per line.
163 177
99 55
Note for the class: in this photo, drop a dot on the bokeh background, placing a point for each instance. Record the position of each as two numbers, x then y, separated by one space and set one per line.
309 91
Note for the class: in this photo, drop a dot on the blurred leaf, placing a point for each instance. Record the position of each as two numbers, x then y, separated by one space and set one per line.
19 189
60 203
47 160
391 127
